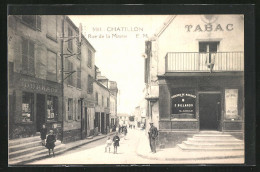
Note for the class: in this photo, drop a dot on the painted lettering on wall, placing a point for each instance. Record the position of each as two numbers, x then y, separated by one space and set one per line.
33 85
209 28
183 103
231 101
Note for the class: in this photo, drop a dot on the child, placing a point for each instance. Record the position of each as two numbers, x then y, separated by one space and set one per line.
108 144
43 134
116 140
50 142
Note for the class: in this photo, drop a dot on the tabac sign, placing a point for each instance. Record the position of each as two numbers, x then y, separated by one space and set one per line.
183 103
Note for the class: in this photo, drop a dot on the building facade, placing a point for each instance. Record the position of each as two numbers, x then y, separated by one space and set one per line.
112 85
34 94
34 78
194 75
102 106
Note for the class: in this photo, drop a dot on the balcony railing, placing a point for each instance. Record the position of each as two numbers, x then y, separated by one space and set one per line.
204 62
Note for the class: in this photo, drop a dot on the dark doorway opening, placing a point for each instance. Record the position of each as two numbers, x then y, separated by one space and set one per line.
97 121
102 123
107 123
40 111
210 111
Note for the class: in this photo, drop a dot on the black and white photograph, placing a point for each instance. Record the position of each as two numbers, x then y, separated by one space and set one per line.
126 89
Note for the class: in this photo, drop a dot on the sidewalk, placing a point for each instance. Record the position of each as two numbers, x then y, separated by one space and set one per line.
177 154
67 147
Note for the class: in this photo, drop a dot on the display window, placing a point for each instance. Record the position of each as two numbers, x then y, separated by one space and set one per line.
52 108
27 107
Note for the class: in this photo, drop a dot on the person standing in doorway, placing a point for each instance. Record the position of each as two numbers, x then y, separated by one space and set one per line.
43 134
50 142
116 140
153 133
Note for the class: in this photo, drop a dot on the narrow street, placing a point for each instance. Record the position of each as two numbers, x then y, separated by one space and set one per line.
94 153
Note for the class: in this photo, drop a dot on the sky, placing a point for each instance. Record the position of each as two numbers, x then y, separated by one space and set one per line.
119 41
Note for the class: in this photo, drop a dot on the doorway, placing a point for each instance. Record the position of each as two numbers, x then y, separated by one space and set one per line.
210 111
102 123
40 111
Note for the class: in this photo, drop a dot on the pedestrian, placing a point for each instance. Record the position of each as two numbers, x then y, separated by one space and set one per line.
50 142
108 144
125 131
43 132
116 140
134 126
153 133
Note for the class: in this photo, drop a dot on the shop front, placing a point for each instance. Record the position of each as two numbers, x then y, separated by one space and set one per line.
205 102
34 102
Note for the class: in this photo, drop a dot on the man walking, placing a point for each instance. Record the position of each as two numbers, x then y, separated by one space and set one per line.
153 133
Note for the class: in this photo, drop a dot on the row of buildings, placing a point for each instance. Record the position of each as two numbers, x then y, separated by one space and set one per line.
194 76
35 93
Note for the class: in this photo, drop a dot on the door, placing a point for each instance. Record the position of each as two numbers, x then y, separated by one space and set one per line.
40 111
86 121
107 123
209 111
102 123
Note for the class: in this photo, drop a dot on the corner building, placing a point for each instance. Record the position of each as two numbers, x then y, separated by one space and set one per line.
194 75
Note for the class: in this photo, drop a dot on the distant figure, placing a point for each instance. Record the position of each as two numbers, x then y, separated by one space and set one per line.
108 144
43 134
50 142
116 140
125 131
134 126
153 133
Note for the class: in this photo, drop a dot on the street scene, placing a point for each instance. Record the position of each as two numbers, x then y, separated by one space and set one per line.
125 89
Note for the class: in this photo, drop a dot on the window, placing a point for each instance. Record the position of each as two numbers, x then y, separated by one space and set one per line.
183 103
78 78
52 108
27 57
78 49
102 101
70 109
90 58
52 28
90 84
79 109
231 104
70 34
33 21
70 69
51 66
107 102
96 98
205 47
147 60
27 107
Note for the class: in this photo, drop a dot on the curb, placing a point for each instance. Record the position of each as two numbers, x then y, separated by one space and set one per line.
62 151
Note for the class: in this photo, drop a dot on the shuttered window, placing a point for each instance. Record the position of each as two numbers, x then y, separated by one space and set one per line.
27 57
90 84
78 78
32 21
90 58
70 34
52 66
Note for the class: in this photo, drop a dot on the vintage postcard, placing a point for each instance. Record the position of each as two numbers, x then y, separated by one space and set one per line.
126 89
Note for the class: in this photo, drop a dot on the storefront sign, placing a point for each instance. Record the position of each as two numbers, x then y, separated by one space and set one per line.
34 85
183 103
231 101
209 28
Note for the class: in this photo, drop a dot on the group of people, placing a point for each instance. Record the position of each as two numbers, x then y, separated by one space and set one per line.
115 142
50 141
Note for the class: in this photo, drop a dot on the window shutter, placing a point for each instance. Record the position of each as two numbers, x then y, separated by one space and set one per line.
24 55
31 58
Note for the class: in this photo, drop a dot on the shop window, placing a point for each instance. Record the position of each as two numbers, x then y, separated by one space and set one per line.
70 109
90 84
231 104
78 78
52 108
33 21
70 42
90 58
52 28
51 66
27 57
27 107
183 103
